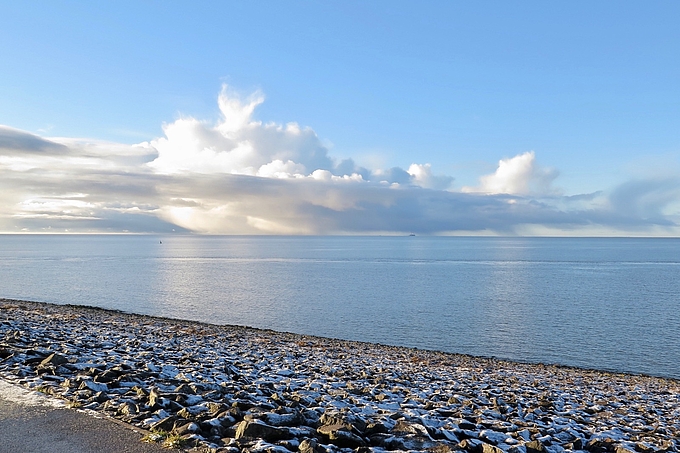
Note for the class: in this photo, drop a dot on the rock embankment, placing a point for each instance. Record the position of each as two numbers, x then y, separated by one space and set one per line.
236 389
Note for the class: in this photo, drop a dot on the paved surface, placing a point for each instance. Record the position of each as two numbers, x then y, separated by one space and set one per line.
32 423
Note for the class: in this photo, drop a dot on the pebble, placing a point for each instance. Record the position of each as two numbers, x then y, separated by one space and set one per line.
237 389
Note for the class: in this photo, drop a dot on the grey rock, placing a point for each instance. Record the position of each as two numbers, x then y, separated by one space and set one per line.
166 424
535 446
601 445
53 359
187 428
345 439
128 408
488 448
492 437
350 421
94 386
257 429
292 419
310 446
471 445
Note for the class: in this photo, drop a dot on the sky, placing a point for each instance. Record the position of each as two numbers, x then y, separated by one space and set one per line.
311 117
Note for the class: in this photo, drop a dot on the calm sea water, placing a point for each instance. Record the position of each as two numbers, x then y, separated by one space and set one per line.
610 304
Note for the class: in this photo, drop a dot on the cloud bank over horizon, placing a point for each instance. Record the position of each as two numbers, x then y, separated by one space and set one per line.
242 176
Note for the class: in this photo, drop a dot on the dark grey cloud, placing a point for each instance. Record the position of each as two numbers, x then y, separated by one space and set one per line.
646 199
312 207
14 141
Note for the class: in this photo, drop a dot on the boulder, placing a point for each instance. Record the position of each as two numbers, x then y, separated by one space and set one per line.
274 419
165 424
471 445
492 437
535 446
310 446
488 448
259 430
94 386
601 445
350 421
187 428
54 360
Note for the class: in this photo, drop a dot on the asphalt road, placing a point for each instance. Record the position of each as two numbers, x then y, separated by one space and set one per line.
32 423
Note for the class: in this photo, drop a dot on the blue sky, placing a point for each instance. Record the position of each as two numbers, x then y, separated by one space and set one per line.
587 92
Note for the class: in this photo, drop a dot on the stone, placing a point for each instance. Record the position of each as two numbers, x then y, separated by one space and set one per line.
94 386
53 359
524 434
292 419
186 389
492 437
622 449
601 445
216 408
348 420
488 448
467 425
327 430
346 439
128 408
471 445
375 428
404 427
310 446
257 429
535 446
107 376
417 442
187 428
155 399
518 449
166 424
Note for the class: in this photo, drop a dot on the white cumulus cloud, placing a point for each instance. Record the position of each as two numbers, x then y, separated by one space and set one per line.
519 175
421 175
238 144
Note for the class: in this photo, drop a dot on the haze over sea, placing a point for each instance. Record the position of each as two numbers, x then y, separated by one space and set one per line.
604 303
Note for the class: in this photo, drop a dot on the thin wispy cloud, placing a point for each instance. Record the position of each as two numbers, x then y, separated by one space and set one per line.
242 176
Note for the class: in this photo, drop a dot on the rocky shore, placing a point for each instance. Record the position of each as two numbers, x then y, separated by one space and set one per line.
237 389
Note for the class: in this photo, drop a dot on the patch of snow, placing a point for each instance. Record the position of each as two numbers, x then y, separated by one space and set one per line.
96 386
19 395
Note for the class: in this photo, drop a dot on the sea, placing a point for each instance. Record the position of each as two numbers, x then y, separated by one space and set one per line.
603 303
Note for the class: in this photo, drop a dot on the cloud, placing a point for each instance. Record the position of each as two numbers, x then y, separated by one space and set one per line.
519 175
241 176
651 200
239 145
14 141
331 206
422 176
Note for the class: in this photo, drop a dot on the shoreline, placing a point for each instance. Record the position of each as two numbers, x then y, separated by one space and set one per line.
235 388
576 368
